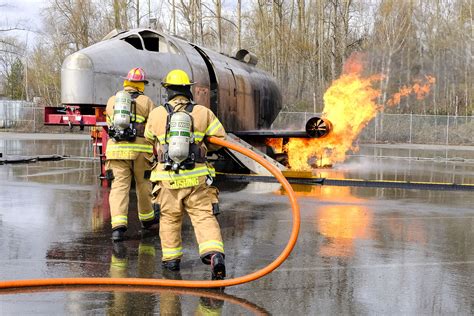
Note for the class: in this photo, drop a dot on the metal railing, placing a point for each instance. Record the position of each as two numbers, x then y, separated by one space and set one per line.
399 128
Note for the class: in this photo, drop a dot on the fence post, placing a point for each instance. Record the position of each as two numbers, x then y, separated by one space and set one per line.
447 130
4 116
34 119
377 118
411 125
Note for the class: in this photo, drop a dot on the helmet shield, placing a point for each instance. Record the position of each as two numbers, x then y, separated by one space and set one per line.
136 75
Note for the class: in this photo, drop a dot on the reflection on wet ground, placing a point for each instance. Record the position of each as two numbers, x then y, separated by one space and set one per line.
360 250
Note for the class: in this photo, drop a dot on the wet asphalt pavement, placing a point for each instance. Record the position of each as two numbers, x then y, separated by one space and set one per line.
365 251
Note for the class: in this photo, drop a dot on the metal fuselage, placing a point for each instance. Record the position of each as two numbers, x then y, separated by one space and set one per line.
242 96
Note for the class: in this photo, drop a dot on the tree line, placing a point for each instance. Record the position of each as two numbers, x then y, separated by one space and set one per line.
302 43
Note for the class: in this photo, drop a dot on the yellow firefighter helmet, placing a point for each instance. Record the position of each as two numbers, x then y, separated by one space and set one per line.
176 77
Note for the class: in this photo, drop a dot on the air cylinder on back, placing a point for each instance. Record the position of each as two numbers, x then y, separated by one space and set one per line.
180 136
122 108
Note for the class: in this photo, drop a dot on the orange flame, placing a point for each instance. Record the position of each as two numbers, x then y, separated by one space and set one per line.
275 143
350 103
419 88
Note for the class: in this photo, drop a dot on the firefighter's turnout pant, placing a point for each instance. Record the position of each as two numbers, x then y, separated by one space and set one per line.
197 202
123 172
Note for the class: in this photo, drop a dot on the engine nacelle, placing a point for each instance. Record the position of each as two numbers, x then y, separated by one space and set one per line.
317 127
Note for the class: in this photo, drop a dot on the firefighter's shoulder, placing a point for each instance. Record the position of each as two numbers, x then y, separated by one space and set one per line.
111 99
201 109
159 110
143 97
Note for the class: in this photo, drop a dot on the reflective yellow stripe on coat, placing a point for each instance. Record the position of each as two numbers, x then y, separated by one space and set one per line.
134 118
138 118
213 127
125 150
198 137
167 175
142 148
149 135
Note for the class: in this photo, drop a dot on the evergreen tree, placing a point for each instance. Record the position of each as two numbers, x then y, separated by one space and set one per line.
15 89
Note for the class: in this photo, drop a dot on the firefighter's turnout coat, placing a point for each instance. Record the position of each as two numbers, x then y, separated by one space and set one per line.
127 160
186 190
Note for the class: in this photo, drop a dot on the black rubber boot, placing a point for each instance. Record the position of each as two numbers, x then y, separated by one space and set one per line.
150 224
150 228
118 234
218 266
171 265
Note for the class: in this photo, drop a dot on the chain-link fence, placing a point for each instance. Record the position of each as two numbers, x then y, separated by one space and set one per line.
27 117
399 128
22 116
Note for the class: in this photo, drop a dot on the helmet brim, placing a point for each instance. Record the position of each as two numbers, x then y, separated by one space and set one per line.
164 84
145 81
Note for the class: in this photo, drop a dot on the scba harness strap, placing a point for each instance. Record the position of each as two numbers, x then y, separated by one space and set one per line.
197 152
136 129
138 126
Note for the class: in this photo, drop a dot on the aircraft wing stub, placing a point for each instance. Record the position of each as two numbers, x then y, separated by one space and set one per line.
272 134
250 163
315 127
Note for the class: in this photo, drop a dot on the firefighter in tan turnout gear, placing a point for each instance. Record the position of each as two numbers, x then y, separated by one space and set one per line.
129 154
182 174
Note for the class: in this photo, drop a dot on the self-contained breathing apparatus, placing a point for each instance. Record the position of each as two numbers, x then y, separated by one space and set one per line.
124 126
180 151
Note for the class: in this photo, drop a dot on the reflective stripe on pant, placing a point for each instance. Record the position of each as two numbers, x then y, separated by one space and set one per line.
123 171
196 201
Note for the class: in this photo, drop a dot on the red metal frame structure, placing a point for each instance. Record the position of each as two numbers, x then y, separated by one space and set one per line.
73 115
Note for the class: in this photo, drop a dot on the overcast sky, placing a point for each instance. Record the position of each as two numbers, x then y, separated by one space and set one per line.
26 11
23 14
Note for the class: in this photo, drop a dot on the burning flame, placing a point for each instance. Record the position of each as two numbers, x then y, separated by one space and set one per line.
275 143
350 103
419 88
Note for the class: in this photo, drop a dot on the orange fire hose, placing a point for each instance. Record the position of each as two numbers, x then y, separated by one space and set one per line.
189 283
